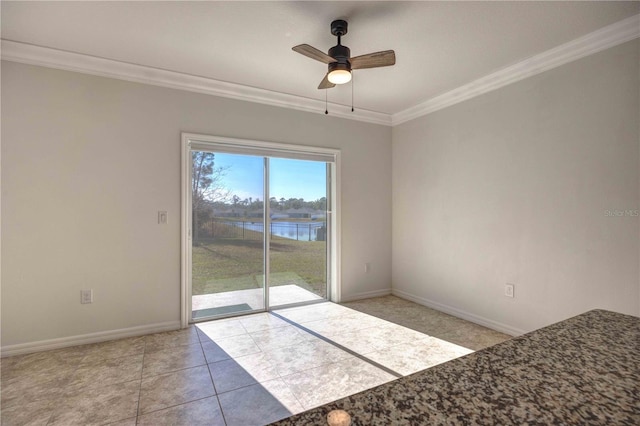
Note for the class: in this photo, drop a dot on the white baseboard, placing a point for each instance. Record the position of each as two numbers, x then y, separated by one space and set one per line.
366 295
83 339
486 322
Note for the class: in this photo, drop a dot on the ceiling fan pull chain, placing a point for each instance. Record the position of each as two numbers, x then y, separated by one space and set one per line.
352 79
326 109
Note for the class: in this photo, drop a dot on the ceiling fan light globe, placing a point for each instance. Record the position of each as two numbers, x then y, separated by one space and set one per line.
339 76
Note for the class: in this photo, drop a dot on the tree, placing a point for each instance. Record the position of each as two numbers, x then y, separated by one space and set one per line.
295 203
273 203
319 204
206 187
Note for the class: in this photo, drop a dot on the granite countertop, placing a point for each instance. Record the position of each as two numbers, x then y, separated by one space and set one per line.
584 370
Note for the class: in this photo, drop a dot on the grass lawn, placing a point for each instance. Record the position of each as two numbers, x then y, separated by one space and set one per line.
234 264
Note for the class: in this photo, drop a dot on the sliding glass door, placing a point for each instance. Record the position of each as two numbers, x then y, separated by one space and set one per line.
227 248
298 244
259 227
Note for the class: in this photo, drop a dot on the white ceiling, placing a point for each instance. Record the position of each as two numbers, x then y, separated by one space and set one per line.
439 45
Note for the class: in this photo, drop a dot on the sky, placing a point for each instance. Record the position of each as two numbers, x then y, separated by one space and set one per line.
289 178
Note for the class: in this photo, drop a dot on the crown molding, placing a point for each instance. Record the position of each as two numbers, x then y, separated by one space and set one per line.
86 64
604 38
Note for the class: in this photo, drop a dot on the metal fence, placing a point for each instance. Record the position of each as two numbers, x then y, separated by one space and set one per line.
248 230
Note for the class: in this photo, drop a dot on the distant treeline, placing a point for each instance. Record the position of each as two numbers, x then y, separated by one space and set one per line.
275 204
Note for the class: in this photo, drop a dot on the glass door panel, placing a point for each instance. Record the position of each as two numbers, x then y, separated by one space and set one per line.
227 252
298 231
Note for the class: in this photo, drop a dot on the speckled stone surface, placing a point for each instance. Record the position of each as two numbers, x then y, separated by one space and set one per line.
584 370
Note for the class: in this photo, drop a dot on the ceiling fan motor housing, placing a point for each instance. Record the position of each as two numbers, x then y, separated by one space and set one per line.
341 54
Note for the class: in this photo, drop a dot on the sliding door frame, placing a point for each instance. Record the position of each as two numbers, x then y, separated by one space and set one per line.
333 214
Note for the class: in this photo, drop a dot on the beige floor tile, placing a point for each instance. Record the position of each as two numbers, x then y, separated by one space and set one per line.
366 340
304 356
175 388
50 363
98 406
35 413
8 363
238 345
201 412
126 422
108 372
282 392
37 386
242 371
340 324
228 376
326 326
409 358
314 312
173 359
114 349
296 315
356 341
472 336
214 353
274 338
259 404
214 330
329 382
170 339
262 321
259 365
391 335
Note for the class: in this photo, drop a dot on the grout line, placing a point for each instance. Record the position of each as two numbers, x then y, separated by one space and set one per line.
168 407
144 353
339 346
265 354
281 378
213 384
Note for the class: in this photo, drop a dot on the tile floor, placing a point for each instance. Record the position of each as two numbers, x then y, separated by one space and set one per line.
249 370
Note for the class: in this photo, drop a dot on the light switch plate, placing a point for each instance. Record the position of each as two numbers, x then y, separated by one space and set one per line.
86 296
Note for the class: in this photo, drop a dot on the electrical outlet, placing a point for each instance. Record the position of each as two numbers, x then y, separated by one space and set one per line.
162 218
367 267
508 290
86 296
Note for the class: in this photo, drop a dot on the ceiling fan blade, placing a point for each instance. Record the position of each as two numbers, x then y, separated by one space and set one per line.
325 83
374 60
313 53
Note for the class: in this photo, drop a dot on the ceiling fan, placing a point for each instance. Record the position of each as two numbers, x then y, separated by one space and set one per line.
339 58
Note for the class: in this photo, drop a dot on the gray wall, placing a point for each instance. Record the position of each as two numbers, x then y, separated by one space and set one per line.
88 161
513 186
